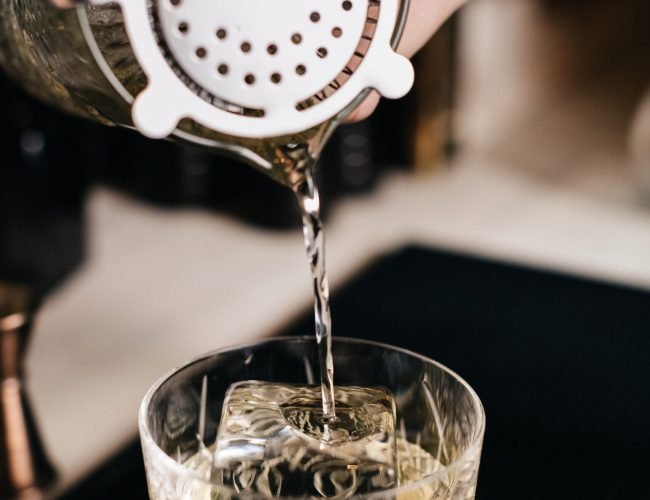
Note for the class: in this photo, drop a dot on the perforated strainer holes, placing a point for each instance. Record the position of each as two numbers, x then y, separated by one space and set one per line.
183 27
226 60
191 54
372 18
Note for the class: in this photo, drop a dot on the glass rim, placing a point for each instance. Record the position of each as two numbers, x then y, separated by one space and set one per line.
178 468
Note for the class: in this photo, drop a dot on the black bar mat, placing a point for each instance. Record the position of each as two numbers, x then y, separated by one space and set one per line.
560 363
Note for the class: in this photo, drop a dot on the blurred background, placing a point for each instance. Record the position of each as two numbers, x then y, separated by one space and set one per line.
523 148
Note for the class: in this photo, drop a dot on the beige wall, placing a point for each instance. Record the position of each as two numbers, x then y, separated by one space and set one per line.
518 56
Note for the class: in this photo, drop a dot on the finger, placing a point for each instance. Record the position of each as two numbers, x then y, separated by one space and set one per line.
365 109
64 4
424 19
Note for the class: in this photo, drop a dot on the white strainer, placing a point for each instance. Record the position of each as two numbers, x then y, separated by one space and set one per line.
260 68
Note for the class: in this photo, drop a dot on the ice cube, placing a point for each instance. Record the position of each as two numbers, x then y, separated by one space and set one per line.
273 439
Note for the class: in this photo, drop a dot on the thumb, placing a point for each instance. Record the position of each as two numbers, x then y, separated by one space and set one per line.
365 109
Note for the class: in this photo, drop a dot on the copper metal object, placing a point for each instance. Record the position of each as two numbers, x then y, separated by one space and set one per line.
25 471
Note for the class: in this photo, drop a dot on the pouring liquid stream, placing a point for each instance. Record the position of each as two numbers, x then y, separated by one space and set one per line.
309 201
295 162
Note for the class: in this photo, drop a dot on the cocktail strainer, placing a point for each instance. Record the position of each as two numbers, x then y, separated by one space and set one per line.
261 68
